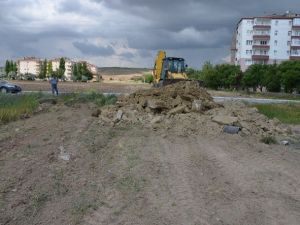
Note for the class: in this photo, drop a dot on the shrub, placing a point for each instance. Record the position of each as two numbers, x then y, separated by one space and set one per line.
148 78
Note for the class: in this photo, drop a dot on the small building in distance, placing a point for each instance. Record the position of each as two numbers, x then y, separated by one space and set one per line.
266 40
29 65
68 65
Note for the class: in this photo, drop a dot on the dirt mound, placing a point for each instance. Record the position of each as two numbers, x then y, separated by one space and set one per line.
173 99
186 109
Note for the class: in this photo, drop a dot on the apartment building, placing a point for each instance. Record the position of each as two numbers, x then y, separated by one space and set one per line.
266 40
29 65
68 65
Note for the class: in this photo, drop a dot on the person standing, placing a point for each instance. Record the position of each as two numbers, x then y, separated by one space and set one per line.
53 82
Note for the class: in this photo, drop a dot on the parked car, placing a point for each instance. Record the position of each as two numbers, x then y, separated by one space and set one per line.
6 87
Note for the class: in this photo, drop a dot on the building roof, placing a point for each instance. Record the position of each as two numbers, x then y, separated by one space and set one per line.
32 59
287 15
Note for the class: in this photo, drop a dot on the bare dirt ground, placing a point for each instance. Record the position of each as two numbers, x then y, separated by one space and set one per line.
110 87
125 172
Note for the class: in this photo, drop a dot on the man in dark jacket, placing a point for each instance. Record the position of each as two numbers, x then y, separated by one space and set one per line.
53 82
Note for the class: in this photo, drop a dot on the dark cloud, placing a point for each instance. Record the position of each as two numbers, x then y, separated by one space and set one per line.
127 55
198 30
94 50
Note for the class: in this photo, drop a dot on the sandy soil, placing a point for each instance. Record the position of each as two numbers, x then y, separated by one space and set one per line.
109 87
125 174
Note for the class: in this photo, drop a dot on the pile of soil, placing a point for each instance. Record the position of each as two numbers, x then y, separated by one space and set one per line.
172 99
186 109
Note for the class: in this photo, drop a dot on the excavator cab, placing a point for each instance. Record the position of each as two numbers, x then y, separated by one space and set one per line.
168 70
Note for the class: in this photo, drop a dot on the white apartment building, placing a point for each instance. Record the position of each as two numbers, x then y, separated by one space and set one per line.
29 65
68 65
266 40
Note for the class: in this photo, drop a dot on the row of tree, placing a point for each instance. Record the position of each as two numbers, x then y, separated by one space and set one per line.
285 76
81 72
46 69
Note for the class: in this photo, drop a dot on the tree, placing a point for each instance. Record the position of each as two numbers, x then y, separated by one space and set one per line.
290 75
86 72
11 65
209 75
75 72
229 76
272 79
62 68
253 76
7 67
49 69
194 74
14 67
43 70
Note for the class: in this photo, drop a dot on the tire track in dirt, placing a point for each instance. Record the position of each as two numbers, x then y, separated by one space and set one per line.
262 176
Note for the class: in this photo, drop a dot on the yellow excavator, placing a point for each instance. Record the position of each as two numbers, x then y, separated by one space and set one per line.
168 70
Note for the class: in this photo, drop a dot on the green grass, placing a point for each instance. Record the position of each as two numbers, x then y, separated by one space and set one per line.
286 113
12 107
98 98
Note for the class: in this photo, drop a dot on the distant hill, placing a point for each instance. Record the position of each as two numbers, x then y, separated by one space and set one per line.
122 70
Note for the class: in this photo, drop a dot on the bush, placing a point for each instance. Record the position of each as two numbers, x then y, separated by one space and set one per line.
148 78
98 98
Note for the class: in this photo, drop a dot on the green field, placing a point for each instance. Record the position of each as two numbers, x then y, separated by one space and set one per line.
286 113
13 107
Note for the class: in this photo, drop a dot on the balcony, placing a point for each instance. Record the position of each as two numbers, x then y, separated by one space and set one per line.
260 57
295 57
296 27
261 37
262 26
267 47
295 47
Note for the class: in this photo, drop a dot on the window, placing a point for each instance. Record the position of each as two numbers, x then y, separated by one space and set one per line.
276 32
275 42
290 33
276 22
248 62
290 22
263 42
288 43
288 52
275 52
249 42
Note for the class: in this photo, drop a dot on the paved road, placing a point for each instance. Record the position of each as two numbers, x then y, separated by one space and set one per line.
255 100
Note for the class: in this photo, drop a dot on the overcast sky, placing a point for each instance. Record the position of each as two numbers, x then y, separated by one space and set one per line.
126 32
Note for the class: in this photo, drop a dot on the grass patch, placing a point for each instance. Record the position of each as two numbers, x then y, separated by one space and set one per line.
268 140
81 207
37 200
286 113
12 107
98 98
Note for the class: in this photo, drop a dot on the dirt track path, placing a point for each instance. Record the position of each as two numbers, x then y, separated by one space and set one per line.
196 180
128 174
